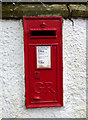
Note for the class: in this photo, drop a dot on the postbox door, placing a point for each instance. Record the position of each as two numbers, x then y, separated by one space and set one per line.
44 84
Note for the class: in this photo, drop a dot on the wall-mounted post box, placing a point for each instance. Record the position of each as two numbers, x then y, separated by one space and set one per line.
43 61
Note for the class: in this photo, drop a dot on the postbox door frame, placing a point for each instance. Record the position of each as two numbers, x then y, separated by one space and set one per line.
27 69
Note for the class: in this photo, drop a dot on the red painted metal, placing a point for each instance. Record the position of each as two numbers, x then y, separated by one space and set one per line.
44 86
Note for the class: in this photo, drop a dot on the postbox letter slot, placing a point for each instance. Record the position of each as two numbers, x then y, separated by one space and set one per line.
43 33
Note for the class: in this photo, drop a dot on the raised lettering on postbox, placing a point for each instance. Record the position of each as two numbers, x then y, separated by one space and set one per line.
40 87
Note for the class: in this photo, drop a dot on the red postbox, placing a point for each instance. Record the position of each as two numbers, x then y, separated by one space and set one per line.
43 61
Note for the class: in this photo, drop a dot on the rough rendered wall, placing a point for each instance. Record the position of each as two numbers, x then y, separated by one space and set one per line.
74 72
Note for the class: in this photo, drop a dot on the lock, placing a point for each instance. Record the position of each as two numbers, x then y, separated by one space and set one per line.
37 74
43 61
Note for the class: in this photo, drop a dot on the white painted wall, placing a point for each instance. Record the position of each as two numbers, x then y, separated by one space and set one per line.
13 81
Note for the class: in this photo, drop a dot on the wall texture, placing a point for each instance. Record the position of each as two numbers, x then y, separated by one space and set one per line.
13 78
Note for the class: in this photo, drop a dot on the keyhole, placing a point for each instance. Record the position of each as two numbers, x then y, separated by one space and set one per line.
36 74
